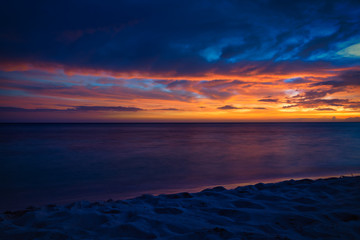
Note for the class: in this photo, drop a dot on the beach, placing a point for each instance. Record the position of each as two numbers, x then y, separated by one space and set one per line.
302 209
180 120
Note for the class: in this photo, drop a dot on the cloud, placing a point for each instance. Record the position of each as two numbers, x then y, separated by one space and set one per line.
325 109
345 78
155 37
290 106
259 108
231 107
268 100
316 94
319 93
213 89
323 103
352 51
16 109
73 109
146 53
168 109
102 108
353 119
228 107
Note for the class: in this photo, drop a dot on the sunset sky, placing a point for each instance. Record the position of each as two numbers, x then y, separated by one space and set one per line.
179 61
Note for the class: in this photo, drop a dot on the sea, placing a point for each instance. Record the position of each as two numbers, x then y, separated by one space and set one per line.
44 164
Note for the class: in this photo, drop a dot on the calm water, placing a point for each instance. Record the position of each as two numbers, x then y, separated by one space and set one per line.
59 163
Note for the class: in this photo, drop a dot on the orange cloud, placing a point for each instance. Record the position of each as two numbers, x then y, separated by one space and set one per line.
254 94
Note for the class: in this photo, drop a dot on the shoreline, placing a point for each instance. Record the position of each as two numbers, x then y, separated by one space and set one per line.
174 190
293 209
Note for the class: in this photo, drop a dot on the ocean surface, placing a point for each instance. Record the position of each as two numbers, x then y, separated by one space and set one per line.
60 163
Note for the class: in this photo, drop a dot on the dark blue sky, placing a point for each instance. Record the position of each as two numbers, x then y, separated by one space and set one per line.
182 36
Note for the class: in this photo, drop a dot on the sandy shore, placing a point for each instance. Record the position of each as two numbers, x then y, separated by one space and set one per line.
303 209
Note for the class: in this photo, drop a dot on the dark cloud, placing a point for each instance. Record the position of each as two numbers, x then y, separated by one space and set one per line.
220 84
213 89
268 100
178 84
354 105
231 107
316 94
35 83
182 37
73 109
312 94
325 109
353 119
228 107
102 108
315 98
323 103
15 109
168 109
346 78
289 106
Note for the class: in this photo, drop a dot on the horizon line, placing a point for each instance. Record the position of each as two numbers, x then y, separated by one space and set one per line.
179 122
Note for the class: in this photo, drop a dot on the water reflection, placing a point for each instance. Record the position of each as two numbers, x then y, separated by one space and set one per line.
100 161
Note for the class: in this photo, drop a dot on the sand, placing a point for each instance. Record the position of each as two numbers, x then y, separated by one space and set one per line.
303 209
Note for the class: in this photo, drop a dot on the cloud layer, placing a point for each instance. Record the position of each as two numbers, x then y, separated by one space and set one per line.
298 59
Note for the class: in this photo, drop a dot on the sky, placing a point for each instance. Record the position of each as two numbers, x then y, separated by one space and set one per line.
179 61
